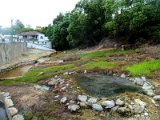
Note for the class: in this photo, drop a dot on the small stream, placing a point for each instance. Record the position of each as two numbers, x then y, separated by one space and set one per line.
17 72
105 86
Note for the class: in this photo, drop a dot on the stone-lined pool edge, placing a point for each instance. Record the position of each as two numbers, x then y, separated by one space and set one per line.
12 112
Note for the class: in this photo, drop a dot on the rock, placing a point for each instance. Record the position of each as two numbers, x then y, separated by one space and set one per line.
97 107
63 89
73 107
149 92
63 100
70 73
59 61
154 102
123 110
143 78
56 76
139 102
66 73
82 98
92 100
146 86
119 102
72 102
53 82
132 79
9 102
18 117
13 111
6 94
43 88
157 97
139 81
146 114
130 107
61 81
123 75
114 109
67 104
83 104
108 104
139 106
57 96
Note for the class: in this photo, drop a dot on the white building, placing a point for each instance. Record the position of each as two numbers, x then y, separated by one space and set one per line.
34 39
5 38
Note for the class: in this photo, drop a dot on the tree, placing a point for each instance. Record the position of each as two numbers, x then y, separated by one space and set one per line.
77 28
57 32
91 20
17 27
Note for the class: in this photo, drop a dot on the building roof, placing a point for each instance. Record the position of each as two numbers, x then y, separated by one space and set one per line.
30 33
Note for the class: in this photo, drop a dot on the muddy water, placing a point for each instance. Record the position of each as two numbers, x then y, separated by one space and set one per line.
3 113
17 72
105 86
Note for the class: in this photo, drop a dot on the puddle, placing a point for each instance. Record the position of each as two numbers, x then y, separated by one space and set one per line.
3 113
105 86
17 72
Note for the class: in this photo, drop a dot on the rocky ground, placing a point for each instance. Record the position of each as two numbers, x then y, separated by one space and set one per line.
63 99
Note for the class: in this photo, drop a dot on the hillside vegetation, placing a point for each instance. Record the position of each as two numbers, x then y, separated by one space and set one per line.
129 21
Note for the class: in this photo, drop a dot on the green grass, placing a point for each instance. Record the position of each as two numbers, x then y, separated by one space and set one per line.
98 65
34 75
143 68
102 53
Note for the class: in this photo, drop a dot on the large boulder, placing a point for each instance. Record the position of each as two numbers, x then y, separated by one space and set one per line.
139 106
18 117
119 102
149 92
92 100
83 104
82 98
9 102
108 104
13 111
73 107
139 81
157 97
97 107
146 86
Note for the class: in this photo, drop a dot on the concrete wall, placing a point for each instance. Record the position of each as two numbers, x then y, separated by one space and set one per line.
11 51
37 46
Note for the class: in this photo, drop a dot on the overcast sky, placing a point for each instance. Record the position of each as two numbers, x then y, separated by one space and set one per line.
33 12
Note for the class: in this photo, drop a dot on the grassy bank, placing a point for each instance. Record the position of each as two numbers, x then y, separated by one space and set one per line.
143 68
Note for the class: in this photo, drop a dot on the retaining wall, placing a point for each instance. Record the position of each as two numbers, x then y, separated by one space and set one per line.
11 51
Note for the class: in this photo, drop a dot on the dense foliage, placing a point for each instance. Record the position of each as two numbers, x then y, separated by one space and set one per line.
91 20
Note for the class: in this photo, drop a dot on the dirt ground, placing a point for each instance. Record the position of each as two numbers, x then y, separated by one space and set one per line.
26 98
